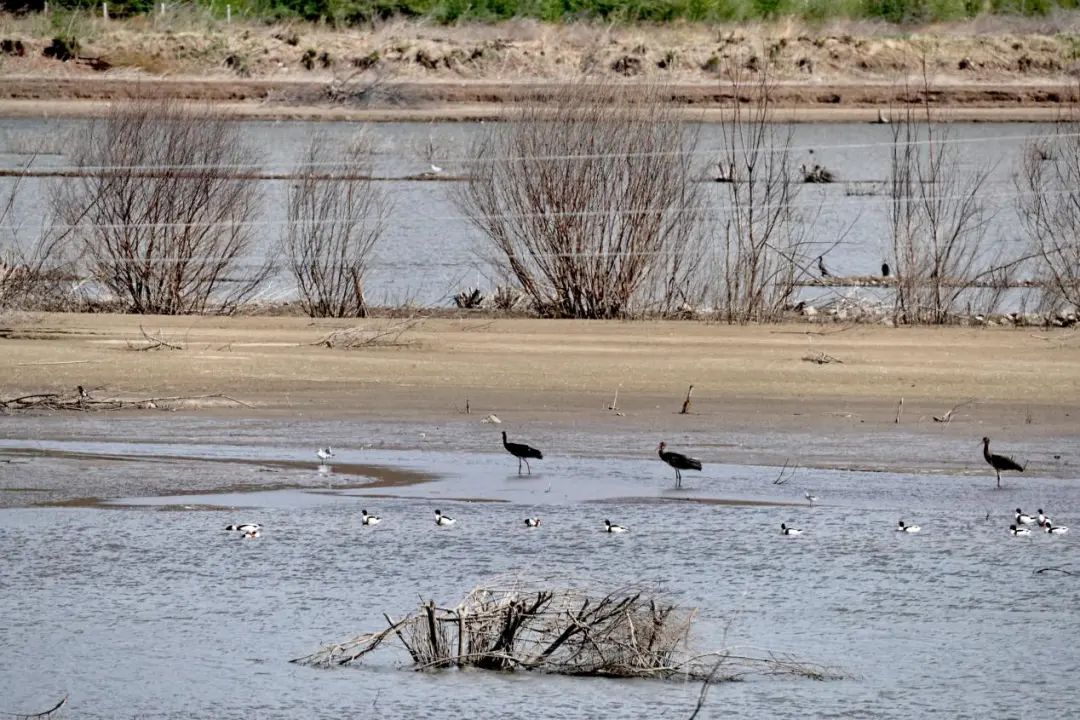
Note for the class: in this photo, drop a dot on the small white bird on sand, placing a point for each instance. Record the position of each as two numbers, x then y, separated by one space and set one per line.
435 168
370 519
441 519
325 453
810 497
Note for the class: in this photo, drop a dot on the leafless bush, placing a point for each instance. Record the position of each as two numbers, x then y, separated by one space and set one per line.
628 634
588 202
336 216
1049 203
507 298
938 219
764 238
34 274
469 299
159 210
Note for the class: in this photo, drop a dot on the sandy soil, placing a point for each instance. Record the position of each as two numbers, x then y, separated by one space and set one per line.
756 400
990 69
1022 381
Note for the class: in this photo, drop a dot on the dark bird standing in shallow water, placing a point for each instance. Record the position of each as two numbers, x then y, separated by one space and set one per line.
999 462
678 461
522 452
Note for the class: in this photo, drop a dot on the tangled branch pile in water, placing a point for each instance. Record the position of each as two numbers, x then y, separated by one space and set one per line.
626 634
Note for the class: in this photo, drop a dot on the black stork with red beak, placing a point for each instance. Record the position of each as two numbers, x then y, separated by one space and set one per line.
522 452
678 461
999 462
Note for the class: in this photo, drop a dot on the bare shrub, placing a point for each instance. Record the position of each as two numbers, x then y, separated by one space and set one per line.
588 202
764 242
1049 204
515 625
335 219
160 210
34 273
938 220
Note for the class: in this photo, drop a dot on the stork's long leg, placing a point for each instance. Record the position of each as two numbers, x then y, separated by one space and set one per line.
519 466
528 466
999 477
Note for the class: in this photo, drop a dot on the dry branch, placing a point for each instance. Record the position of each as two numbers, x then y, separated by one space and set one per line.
155 342
55 401
821 358
627 633
384 335
784 475
686 403
43 714
947 417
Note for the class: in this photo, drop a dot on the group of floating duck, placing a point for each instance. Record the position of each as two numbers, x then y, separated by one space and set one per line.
900 527
1041 520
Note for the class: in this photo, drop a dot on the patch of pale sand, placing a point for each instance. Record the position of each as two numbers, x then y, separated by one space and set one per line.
567 371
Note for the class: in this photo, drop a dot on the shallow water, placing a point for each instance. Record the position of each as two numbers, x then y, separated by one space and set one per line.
431 251
161 613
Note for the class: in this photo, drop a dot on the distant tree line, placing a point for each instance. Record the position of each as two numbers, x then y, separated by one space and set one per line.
350 12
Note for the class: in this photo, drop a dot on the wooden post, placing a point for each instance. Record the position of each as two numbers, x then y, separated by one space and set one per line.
105 10
460 638
162 9
228 13
686 403
432 630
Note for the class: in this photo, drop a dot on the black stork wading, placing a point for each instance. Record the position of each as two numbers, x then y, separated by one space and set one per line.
678 461
999 462
522 452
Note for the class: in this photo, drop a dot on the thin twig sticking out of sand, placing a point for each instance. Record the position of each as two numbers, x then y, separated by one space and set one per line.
686 403
899 409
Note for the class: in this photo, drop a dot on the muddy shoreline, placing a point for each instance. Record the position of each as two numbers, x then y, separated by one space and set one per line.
467 101
756 401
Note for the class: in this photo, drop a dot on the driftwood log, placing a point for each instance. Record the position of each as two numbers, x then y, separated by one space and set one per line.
80 403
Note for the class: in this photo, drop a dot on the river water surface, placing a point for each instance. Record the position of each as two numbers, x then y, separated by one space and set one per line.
431 250
147 607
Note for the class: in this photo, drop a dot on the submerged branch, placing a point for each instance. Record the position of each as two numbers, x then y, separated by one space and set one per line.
627 634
